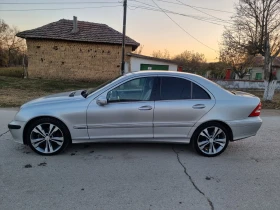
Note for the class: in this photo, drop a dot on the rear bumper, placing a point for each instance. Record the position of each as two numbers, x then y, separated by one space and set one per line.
245 128
16 129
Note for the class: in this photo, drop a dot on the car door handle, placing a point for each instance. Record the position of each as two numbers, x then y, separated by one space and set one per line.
145 108
198 106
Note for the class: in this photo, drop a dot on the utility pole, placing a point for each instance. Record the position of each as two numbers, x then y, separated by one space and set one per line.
123 38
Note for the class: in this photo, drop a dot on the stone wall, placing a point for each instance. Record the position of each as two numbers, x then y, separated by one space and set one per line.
55 59
243 84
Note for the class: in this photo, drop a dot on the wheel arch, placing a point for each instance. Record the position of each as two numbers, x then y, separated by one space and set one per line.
214 121
24 137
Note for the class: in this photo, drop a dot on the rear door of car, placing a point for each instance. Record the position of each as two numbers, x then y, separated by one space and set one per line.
180 103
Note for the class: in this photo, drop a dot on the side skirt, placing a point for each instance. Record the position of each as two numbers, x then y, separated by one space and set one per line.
151 140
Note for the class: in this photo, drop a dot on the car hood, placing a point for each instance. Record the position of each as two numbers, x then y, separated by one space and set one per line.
56 98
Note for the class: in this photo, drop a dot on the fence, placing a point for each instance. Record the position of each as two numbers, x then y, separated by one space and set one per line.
243 84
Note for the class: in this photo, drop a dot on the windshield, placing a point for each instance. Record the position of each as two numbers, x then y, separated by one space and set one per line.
91 90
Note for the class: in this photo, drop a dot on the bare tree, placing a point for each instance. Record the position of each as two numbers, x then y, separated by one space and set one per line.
192 62
239 63
217 70
255 30
3 54
159 54
12 47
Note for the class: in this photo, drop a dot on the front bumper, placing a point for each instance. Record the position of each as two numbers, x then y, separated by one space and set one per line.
245 128
16 129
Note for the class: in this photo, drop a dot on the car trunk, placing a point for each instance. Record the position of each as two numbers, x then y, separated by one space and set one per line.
240 93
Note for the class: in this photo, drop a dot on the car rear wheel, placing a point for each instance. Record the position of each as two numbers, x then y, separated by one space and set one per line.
47 136
211 139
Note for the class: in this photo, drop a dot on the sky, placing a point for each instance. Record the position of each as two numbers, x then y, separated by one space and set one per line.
152 29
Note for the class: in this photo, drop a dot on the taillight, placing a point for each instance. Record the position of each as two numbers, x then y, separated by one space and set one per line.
257 111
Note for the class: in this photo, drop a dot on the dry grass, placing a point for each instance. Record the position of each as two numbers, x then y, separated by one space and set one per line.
12 71
16 91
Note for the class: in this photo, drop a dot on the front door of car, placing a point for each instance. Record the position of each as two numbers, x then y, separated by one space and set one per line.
179 105
124 112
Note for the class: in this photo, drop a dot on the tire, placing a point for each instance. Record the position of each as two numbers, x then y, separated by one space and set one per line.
211 139
48 136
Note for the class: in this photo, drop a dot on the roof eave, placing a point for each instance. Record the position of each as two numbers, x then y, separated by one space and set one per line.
134 46
152 58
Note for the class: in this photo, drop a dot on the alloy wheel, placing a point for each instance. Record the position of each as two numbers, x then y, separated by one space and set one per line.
211 140
46 138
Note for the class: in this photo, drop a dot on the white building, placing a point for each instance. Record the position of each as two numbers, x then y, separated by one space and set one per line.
142 62
256 72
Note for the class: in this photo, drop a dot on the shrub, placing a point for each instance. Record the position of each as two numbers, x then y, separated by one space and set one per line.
11 72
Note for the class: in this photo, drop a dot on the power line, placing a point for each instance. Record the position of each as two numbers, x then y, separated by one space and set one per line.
201 11
176 13
217 10
93 2
152 7
24 10
86 2
182 27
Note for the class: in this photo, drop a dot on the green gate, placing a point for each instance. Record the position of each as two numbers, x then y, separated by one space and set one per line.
144 67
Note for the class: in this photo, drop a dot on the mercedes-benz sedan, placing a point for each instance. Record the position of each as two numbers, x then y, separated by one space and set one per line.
148 106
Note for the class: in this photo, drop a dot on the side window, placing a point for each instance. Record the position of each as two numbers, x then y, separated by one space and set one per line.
199 93
133 90
172 88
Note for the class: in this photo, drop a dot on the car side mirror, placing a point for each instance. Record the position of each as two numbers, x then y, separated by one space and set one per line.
101 101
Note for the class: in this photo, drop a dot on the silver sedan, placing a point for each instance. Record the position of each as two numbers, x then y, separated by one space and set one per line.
148 106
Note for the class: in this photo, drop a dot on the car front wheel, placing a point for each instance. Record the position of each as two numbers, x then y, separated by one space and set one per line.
211 139
47 136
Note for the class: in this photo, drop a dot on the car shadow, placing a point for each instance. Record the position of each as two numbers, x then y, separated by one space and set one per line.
115 148
90 148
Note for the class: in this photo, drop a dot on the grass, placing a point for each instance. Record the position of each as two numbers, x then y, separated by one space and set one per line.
16 91
12 72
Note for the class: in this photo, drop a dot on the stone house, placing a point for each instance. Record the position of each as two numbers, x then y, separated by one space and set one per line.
71 49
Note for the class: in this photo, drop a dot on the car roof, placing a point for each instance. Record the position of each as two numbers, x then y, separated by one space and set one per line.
166 73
